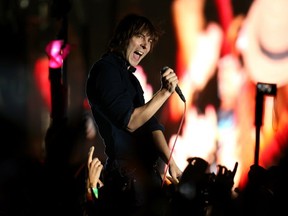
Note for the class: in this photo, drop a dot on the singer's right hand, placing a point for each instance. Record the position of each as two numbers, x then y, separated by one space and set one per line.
169 79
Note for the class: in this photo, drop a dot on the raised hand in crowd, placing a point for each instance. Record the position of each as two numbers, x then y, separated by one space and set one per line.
95 167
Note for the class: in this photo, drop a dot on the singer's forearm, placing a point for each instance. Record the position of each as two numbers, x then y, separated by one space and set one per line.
142 114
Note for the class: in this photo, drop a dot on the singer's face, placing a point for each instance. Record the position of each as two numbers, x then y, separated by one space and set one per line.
138 47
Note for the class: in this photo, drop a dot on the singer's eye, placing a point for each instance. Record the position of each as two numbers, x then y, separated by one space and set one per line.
140 36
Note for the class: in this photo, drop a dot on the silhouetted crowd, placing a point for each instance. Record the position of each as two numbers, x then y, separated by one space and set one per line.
30 187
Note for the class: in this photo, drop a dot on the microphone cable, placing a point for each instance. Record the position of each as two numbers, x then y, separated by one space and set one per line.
172 149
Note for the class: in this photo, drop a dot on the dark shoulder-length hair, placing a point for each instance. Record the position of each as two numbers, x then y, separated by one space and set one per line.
130 26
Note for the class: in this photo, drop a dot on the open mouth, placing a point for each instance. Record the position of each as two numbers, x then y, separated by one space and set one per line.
137 55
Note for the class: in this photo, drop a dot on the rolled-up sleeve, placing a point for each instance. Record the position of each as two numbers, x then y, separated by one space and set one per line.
153 125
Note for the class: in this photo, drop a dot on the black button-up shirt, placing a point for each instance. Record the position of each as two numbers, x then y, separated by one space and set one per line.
114 92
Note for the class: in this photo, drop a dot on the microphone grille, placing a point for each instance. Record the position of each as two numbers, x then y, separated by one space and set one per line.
164 69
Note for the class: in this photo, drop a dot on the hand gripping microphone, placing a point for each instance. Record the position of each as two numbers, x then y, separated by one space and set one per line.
177 89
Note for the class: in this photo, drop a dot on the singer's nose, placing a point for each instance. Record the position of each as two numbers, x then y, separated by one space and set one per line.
146 42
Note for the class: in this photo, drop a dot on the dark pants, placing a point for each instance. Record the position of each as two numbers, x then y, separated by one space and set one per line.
131 190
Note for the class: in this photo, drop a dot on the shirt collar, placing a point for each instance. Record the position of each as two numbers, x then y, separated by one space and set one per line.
131 69
125 63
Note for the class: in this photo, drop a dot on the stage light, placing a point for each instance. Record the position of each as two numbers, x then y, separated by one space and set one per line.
57 51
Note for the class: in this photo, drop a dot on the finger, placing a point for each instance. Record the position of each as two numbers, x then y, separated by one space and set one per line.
235 169
171 77
220 169
100 183
95 162
96 169
176 180
95 172
225 171
172 180
165 71
90 154
99 168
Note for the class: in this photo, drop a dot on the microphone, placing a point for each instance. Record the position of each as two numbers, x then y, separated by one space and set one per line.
177 89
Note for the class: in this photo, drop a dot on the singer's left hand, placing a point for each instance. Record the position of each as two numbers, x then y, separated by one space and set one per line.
175 173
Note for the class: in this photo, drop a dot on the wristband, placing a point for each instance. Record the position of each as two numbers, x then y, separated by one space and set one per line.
95 192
